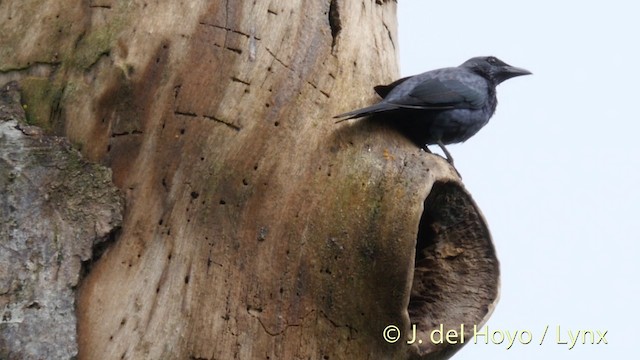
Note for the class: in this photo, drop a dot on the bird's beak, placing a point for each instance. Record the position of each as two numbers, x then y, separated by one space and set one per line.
508 72
512 71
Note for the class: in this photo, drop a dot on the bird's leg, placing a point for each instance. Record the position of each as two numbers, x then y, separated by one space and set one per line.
446 152
449 158
426 149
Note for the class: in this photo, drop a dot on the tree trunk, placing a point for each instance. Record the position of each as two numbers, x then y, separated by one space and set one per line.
54 208
255 227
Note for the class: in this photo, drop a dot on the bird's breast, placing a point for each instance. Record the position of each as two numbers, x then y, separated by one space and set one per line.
458 125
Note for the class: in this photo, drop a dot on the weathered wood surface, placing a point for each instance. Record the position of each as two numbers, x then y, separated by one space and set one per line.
255 227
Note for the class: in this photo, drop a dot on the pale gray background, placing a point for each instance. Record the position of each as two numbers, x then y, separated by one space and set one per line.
556 170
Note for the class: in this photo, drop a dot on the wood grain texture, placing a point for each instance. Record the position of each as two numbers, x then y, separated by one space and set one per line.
255 227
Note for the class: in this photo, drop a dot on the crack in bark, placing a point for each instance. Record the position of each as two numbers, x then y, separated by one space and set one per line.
286 325
100 7
326 94
55 114
133 132
36 69
229 30
334 22
235 79
210 117
176 93
389 34
228 124
183 113
76 44
336 325
278 60
235 50
286 66
100 56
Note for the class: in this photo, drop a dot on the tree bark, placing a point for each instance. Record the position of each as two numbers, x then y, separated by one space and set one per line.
255 227
54 209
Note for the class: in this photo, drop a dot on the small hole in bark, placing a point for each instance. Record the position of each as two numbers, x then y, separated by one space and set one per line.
222 202
276 124
34 305
262 233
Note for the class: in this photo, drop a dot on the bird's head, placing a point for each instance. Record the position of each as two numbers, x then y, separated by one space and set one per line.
493 69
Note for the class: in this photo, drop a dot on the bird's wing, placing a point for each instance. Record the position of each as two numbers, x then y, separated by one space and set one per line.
384 90
437 93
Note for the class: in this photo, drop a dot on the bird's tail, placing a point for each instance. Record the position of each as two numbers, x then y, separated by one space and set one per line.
369 110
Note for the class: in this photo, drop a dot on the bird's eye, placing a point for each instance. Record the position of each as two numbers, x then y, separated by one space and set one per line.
492 60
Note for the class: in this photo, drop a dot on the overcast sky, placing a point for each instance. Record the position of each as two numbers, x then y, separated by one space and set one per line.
556 171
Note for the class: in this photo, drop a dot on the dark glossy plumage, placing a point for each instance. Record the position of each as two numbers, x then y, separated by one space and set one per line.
442 106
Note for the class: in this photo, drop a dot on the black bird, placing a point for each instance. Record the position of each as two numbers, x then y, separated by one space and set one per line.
443 106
